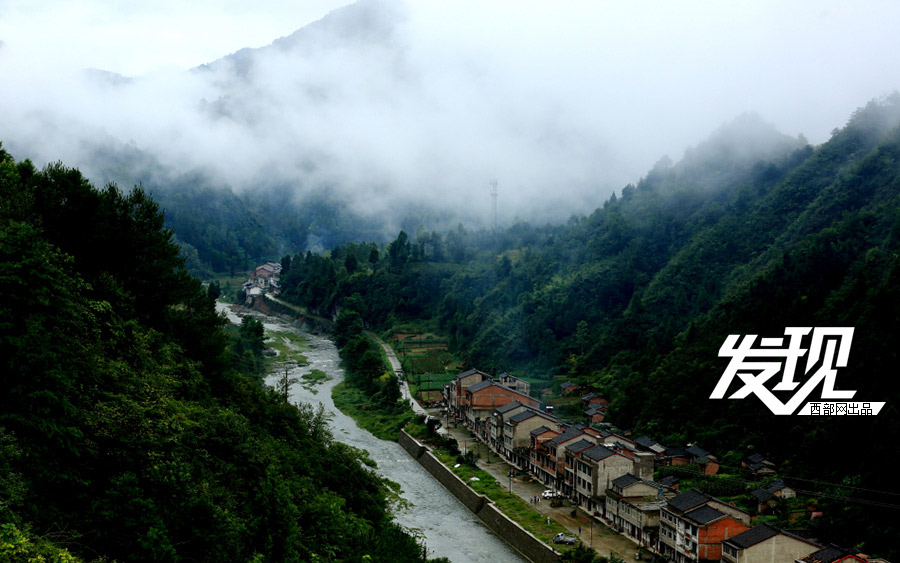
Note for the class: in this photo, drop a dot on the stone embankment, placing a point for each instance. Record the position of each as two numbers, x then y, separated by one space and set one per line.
512 533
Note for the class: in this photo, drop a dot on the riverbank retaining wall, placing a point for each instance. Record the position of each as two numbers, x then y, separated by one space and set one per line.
512 533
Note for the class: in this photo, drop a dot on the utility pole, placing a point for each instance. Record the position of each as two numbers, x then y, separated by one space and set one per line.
494 194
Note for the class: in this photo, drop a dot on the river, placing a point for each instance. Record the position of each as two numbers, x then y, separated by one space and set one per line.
449 529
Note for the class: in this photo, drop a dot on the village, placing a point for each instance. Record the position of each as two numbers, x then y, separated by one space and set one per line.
610 476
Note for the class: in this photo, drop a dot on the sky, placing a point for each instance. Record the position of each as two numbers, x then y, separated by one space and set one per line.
562 103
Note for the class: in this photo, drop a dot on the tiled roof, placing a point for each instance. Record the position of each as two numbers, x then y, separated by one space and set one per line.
697 451
755 458
704 515
776 486
645 442
669 481
762 495
565 436
688 500
579 446
754 535
830 554
625 480
540 430
597 453
508 406
471 372
481 385
524 415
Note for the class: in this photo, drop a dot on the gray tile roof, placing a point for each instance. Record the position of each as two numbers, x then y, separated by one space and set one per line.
481 385
565 436
524 415
645 442
580 445
753 536
541 430
755 458
829 554
697 451
625 480
688 500
597 453
469 372
704 515
762 495
508 407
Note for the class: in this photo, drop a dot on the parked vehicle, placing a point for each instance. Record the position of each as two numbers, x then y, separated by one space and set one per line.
550 494
564 539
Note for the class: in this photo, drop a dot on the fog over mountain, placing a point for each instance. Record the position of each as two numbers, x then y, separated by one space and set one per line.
386 105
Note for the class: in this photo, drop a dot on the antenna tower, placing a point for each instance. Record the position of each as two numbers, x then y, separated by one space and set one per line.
494 194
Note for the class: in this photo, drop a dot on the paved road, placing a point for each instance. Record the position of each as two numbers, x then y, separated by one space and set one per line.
594 533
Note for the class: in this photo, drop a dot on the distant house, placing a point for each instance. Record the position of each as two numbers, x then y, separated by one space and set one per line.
595 469
632 507
266 275
481 401
670 482
766 544
592 399
692 455
767 498
569 388
693 526
456 390
758 465
512 426
646 444
514 383
596 414
831 554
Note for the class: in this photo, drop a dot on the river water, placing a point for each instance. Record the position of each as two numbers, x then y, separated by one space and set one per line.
449 528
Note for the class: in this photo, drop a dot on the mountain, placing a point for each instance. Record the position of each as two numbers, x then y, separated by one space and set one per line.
751 233
357 115
128 431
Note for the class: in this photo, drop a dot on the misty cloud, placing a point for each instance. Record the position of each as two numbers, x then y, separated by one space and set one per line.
385 103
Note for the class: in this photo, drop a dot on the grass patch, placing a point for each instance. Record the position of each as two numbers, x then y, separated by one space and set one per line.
316 376
368 415
313 378
511 505
288 347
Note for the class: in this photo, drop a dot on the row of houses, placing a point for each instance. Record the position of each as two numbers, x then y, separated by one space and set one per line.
611 476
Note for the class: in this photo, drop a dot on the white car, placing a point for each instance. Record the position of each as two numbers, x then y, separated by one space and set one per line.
562 538
550 494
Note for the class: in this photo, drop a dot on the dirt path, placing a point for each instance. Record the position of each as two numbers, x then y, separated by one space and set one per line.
398 371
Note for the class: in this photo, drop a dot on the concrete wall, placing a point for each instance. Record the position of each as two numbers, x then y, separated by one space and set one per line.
512 533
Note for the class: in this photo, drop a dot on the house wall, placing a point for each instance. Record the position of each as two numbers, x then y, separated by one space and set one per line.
710 538
732 511
521 434
776 549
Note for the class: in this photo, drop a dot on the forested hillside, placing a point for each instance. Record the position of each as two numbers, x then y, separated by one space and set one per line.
126 433
749 233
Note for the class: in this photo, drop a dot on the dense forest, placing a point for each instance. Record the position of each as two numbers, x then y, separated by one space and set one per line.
751 232
132 426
